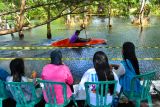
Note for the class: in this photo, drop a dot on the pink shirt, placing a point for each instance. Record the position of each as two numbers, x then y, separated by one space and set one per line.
57 73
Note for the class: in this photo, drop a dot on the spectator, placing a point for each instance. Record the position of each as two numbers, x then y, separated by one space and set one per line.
102 71
18 75
128 68
58 72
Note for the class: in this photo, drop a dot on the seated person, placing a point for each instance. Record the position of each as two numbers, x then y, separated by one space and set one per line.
101 72
56 71
128 68
18 75
75 39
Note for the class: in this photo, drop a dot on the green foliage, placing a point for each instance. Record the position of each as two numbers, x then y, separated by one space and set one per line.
57 7
2 6
36 14
155 7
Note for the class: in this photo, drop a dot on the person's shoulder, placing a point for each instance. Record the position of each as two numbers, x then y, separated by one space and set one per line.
65 67
121 64
24 79
47 66
128 61
124 62
91 71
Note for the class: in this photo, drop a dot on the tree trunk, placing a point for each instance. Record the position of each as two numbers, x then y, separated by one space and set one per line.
128 6
21 19
21 35
68 17
10 27
49 35
109 14
141 13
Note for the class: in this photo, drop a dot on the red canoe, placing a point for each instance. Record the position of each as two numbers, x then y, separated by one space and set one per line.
66 43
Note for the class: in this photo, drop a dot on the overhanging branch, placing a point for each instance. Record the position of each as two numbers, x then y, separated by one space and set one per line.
9 31
28 8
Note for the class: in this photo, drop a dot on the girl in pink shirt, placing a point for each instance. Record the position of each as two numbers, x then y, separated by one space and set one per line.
56 71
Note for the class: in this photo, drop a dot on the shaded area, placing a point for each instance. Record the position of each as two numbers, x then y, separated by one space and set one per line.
155 100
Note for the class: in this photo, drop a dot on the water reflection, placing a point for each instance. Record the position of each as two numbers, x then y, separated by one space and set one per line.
122 30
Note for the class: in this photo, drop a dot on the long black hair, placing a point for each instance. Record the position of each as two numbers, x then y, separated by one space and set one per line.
129 53
102 68
56 57
17 69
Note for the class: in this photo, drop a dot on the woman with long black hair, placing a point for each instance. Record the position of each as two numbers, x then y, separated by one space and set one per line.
128 53
102 71
128 67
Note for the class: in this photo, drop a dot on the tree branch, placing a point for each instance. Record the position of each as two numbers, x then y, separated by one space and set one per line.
9 31
28 8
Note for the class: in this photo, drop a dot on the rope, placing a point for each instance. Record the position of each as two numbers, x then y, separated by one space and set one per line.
113 59
50 47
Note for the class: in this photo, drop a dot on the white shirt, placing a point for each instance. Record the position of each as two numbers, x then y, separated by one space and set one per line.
10 79
87 77
27 92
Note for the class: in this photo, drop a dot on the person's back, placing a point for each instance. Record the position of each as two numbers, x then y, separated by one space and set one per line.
91 76
100 72
129 67
125 80
57 73
18 75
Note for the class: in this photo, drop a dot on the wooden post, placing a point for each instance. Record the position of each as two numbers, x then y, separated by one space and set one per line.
21 19
141 13
109 14
49 35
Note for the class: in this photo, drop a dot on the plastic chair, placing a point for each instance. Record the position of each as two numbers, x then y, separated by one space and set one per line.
48 87
3 93
101 95
144 94
22 92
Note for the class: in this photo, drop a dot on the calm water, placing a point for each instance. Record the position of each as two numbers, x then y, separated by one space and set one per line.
122 31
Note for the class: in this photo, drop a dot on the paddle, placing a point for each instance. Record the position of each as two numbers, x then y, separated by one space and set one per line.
83 27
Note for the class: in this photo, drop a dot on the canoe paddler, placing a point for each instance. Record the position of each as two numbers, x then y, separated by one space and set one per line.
75 39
